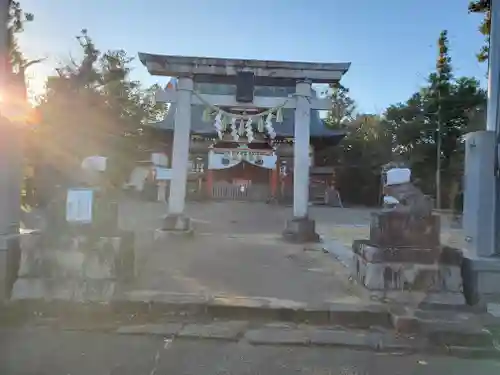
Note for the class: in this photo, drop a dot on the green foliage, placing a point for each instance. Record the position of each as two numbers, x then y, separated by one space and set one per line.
343 108
92 107
407 132
483 7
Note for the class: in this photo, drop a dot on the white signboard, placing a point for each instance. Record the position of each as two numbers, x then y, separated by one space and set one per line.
163 174
79 206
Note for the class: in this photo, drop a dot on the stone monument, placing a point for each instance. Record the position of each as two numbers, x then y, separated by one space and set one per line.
403 260
82 255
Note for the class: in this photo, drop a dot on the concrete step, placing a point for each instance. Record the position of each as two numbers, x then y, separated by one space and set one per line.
446 327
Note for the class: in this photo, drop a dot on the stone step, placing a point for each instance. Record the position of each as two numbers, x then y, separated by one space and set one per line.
444 327
45 294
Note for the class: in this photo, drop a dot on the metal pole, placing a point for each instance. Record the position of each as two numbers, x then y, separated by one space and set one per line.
438 151
492 122
493 118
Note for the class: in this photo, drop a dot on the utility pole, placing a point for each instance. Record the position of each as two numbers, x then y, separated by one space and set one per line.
4 174
10 140
438 151
493 113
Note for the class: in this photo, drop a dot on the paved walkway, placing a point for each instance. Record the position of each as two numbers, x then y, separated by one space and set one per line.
237 251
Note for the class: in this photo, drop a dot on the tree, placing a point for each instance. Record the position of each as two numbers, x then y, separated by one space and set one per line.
343 108
19 64
483 7
440 86
92 107
413 124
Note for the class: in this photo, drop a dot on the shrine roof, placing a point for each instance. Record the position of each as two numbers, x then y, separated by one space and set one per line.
284 129
210 69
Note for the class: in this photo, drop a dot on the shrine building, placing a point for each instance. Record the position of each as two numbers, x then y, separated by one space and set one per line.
237 164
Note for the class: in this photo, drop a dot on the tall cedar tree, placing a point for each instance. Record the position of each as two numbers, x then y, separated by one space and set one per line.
483 7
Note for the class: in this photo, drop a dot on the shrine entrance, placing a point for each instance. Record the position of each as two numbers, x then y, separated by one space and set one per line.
246 119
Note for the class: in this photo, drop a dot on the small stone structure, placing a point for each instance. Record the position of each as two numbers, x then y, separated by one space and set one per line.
80 269
81 255
404 261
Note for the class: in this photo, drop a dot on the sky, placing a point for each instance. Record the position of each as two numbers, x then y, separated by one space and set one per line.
391 44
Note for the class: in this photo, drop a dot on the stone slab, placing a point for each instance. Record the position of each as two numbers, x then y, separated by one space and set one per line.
161 235
415 298
330 337
178 223
65 290
229 330
358 315
407 276
381 254
276 336
396 229
458 335
167 329
106 258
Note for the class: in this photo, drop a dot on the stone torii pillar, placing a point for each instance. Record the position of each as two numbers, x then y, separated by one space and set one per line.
175 219
301 228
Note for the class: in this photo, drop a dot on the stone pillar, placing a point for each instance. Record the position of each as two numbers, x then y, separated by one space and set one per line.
481 219
479 181
481 271
300 228
175 219
301 151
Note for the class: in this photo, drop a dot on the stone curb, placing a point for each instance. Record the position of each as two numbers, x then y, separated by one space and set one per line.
279 334
258 308
101 318
221 307
150 306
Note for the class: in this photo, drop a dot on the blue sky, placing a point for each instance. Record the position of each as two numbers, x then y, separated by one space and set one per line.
391 43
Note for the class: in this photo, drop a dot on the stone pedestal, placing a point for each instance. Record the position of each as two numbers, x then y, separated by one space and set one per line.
80 269
177 223
481 279
412 268
300 230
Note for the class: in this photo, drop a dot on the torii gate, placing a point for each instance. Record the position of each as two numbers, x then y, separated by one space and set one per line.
190 70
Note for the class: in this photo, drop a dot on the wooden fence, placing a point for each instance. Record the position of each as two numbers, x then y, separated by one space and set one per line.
233 192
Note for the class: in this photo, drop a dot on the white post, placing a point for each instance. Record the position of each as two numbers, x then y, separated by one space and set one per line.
301 150
180 152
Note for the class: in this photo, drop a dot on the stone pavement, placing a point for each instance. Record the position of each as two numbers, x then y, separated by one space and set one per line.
257 265
237 252
52 352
